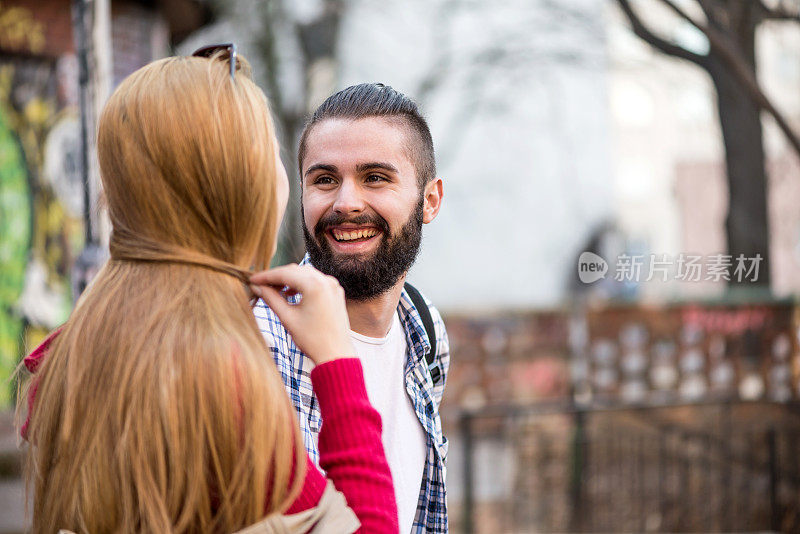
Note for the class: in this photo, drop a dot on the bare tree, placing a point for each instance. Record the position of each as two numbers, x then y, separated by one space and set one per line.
507 57
313 39
730 27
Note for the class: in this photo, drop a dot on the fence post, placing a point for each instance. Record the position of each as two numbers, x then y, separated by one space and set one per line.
726 463
775 507
578 466
469 498
663 491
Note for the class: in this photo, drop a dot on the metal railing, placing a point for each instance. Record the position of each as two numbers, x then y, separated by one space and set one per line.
713 466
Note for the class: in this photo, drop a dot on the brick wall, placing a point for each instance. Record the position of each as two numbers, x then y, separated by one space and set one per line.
39 27
688 352
625 353
503 358
132 30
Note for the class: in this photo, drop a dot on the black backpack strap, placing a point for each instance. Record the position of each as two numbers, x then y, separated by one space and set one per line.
427 322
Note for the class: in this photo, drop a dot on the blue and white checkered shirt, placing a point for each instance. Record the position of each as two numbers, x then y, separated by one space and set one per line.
295 369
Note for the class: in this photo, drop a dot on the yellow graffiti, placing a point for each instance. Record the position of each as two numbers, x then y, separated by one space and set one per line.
20 31
6 77
54 240
37 111
31 123
55 236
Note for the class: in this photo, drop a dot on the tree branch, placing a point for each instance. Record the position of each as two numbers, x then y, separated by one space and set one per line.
644 33
708 10
782 12
681 13
722 47
442 65
741 70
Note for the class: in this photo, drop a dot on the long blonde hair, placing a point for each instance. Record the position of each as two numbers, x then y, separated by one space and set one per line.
158 407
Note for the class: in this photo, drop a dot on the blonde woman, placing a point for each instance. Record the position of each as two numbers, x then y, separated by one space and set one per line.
156 407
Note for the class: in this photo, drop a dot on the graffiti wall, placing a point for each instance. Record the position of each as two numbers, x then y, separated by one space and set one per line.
41 200
41 226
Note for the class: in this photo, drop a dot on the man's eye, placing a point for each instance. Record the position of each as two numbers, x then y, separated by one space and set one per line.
375 178
323 180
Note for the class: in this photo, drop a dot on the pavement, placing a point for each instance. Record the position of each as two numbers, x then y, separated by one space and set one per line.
12 488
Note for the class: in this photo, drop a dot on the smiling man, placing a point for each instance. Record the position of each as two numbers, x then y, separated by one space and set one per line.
368 185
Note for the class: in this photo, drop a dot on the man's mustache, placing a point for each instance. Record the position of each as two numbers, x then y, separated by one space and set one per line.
336 219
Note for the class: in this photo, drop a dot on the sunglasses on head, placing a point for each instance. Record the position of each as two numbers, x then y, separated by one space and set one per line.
210 50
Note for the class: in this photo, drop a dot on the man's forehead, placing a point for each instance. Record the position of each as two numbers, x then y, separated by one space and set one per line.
350 143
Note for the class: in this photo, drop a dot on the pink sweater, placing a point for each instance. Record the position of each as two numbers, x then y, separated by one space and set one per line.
350 445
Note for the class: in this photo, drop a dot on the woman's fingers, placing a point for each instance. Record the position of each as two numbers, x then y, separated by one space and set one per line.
263 277
293 279
275 300
318 323
295 276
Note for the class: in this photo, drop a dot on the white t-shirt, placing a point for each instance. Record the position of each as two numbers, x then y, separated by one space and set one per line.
383 360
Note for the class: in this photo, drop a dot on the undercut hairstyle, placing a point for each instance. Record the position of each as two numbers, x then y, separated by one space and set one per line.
378 100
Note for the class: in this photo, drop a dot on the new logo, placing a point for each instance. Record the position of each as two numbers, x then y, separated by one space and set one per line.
591 267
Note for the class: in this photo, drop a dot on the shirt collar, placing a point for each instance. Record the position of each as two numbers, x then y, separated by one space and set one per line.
411 319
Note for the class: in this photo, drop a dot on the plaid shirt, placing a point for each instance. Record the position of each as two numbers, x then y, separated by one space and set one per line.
295 369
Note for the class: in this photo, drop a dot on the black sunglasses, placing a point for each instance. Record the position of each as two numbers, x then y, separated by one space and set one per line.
210 50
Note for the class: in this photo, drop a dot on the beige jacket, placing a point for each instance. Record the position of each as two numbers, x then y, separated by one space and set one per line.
330 516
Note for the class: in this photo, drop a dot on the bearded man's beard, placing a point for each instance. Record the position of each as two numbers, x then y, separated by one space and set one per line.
366 278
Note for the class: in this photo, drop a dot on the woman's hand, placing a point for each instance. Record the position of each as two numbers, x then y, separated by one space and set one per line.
319 323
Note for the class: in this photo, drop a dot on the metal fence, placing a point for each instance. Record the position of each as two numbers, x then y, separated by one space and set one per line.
703 467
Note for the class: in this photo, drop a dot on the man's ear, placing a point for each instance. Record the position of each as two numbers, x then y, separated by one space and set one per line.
433 200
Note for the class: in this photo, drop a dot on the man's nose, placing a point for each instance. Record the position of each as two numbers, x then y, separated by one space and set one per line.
348 198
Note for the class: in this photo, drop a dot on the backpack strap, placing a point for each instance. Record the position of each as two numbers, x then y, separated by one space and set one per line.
427 322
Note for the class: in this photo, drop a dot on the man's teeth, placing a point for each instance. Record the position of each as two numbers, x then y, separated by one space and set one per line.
341 235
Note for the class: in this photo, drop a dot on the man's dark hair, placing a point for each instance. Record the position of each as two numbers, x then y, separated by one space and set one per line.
378 100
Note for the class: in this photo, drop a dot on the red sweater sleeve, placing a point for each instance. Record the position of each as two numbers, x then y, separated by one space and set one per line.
350 448
32 362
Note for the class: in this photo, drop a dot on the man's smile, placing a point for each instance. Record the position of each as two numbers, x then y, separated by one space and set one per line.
344 233
352 238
